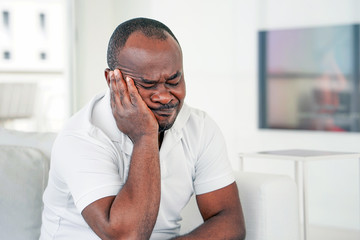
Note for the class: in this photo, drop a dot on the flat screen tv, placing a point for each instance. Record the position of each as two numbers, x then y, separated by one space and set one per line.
309 78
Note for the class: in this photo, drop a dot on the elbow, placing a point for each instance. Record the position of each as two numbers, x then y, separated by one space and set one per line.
242 234
122 236
240 230
127 234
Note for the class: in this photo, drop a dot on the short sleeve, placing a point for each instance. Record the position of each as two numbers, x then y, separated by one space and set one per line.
88 168
212 169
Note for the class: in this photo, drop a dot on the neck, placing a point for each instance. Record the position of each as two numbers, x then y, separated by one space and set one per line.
160 138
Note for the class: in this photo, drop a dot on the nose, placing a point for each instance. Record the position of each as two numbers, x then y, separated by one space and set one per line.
162 95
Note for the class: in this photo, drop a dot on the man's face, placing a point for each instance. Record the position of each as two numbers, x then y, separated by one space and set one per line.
157 70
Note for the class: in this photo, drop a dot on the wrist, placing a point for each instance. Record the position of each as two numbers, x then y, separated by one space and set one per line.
146 139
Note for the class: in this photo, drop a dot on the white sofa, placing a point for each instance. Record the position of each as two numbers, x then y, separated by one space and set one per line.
269 201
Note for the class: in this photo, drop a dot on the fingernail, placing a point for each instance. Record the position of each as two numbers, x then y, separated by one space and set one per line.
127 79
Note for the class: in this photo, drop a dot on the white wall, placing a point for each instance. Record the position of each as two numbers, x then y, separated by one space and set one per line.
94 23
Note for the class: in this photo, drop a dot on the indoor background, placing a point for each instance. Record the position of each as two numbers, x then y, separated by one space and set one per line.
58 58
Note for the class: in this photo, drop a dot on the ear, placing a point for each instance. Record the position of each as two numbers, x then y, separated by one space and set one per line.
107 76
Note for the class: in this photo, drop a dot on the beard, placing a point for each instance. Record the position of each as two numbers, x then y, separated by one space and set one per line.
168 123
166 126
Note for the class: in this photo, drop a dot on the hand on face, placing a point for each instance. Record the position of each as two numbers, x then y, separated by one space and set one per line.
133 117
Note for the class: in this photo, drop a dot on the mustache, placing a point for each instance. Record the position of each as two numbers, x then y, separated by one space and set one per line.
165 107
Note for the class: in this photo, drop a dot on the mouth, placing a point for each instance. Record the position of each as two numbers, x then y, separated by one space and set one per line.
165 110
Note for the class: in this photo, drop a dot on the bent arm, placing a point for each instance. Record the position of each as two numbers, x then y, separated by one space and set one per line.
132 213
222 214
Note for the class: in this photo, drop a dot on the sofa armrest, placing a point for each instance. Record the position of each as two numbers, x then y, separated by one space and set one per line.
269 203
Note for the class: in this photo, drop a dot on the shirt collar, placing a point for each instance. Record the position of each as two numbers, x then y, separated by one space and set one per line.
181 119
103 118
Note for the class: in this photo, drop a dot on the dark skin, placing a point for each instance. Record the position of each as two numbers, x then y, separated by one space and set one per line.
146 97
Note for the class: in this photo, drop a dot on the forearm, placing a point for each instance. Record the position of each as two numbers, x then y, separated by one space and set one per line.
225 226
133 212
140 197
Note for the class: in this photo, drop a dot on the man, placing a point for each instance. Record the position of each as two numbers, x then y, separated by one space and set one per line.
126 164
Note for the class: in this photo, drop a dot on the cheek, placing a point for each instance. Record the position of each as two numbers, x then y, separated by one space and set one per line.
180 92
145 94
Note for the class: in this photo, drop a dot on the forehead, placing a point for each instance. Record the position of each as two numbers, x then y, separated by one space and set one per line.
148 56
139 40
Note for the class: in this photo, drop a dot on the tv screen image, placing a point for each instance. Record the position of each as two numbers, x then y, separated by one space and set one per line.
309 78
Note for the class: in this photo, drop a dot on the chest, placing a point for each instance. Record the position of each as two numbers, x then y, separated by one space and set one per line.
177 162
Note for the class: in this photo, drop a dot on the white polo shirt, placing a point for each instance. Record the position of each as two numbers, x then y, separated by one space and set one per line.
91 158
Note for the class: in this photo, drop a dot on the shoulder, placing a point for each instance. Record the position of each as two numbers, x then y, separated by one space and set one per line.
199 122
190 117
80 125
80 137
198 130
82 119
206 141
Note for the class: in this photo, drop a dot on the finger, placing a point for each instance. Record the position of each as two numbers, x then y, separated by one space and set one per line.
133 92
122 87
115 94
112 95
112 91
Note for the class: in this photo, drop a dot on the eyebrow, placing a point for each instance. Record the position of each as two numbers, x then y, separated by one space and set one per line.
144 80
148 81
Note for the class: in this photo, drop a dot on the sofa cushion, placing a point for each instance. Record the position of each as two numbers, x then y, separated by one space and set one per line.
23 177
41 141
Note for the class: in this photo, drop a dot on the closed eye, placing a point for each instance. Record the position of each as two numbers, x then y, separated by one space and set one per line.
176 75
148 86
171 83
174 79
